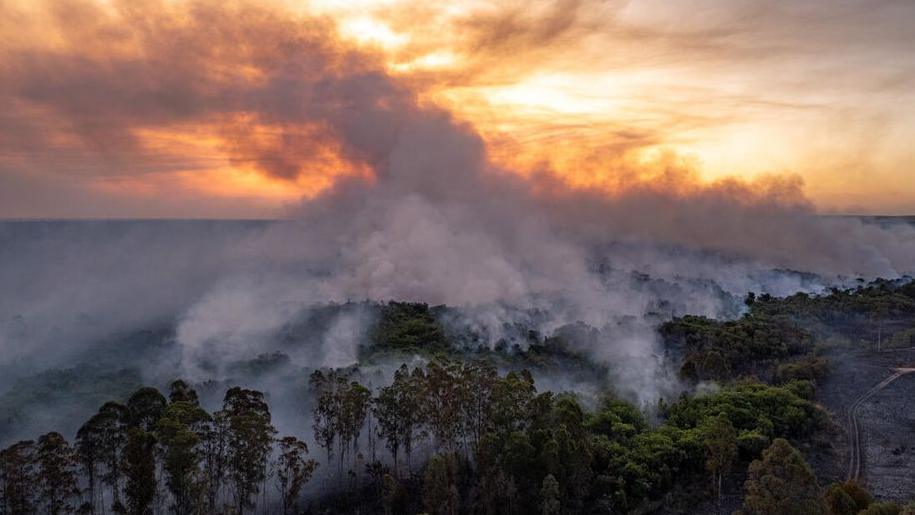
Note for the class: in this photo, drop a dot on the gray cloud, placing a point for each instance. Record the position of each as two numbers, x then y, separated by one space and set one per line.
434 222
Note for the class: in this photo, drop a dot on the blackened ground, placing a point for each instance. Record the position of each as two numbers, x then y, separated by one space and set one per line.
886 420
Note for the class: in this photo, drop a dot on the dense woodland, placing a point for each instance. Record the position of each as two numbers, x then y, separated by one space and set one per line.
461 433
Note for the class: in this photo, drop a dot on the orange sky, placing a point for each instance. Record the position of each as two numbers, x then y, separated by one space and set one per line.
599 92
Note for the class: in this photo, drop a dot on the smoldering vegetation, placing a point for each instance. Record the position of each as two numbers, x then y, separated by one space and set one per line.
339 381
146 302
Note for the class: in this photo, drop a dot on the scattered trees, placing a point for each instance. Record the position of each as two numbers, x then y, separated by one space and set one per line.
250 439
294 469
180 431
720 440
18 476
494 445
57 479
123 451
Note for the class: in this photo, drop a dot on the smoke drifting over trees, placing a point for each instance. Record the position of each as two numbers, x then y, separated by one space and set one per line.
417 212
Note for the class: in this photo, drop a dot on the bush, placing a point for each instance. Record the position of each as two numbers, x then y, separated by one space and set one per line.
810 368
772 411
718 350
882 508
802 388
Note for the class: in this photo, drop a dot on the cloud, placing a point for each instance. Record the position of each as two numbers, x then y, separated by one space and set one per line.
271 92
415 208
250 105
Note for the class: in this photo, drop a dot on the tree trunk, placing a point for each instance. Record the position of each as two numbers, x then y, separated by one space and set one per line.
719 493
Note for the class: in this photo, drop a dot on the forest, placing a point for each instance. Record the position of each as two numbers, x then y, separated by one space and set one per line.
468 432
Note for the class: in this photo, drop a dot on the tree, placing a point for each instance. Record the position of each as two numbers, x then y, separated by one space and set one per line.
89 455
294 469
386 411
411 395
398 410
442 407
838 502
847 498
882 508
549 496
389 490
100 441
440 494
326 412
180 391
720 441
180 431
781 483
250 440
140 471
18 478
512 396
146 406
56 473
476 382
215 449
113 420
340 413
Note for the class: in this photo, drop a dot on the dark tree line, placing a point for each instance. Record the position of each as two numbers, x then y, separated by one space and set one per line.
444 438
491 443
154 454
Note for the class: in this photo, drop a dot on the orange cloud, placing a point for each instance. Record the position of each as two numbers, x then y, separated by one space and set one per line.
244 101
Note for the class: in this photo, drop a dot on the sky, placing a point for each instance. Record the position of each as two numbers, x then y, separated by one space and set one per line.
205 109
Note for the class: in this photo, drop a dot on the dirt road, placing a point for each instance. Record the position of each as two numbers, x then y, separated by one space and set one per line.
854 430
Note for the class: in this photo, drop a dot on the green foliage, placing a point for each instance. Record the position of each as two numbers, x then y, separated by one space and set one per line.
250 439
180 391
340 412
720 440
18 476
616 420
408 327
847 497
140 471
499 446
809 368
752 443
293 470
770 411
549 496
882 508
146 406
838 502
877 310
903 339
70 393
262 365
712 349
802 388
57 479
781 483
106 434
179 430
440 485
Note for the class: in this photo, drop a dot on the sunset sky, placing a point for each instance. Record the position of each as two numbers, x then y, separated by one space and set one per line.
159 108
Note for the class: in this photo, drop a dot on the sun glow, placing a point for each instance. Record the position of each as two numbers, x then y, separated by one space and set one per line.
369 30
589 91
